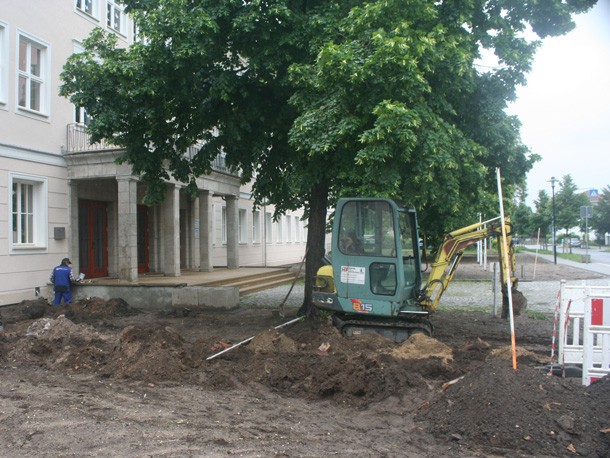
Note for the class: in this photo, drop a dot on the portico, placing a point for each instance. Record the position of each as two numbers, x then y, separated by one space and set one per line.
113 234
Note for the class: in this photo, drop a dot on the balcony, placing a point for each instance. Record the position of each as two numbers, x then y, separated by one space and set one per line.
78 141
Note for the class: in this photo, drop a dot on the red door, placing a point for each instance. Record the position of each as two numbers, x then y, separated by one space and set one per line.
143 239
93 238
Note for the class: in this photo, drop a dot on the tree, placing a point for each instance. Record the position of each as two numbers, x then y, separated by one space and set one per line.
319 98
600 222
567 204
522 220
543 216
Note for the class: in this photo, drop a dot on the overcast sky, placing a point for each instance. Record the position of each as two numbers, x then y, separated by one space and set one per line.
565 107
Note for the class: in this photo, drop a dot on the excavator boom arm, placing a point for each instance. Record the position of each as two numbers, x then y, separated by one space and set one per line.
451 251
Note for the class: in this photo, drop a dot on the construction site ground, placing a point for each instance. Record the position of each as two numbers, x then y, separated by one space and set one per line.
101 378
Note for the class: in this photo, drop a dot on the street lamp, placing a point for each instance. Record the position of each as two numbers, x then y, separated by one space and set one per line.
553 180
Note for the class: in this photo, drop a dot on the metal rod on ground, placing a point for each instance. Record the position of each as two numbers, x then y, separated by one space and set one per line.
507 270
250 338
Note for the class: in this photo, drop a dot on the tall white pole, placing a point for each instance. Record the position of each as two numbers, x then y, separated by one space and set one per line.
536 257
507 271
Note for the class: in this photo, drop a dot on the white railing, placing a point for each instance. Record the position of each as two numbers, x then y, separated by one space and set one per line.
79 140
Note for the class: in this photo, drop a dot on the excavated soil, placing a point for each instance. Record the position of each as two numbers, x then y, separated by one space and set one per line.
102 378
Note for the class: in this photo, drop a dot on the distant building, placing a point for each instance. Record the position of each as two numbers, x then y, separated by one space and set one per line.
61 196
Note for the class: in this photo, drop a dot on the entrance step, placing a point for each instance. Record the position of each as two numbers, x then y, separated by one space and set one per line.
254 283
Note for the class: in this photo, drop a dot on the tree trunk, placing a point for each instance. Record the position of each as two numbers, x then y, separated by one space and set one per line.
316 235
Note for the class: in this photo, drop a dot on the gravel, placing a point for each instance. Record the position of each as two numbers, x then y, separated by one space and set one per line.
541 295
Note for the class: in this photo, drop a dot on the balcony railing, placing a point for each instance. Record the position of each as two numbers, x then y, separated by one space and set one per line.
79 141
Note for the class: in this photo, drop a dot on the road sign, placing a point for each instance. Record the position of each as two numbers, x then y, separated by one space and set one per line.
586 212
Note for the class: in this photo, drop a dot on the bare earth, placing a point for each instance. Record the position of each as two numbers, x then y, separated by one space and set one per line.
105 379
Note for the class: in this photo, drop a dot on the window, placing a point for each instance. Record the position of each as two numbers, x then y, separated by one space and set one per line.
115 18
28 211
268 226
297 229
223 225
243 226
3 63
86 6
32 75
288 228
367 228
256 226
135 33
81 117
279 230
214 224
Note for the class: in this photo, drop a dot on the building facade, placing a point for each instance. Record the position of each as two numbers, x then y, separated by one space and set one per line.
61 196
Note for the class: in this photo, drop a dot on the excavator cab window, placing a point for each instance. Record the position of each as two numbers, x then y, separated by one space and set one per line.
410 245
383 278
367 229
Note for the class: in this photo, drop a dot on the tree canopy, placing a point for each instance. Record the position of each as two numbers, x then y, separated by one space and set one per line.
322 98
543 215
567 204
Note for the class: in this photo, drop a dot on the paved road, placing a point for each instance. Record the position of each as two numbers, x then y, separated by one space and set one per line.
600 260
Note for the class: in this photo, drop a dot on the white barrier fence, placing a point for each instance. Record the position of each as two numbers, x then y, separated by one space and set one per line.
580 341
596 364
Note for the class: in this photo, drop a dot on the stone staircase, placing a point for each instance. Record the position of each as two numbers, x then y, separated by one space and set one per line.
254 283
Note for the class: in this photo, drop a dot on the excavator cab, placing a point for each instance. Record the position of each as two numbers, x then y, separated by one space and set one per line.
376 266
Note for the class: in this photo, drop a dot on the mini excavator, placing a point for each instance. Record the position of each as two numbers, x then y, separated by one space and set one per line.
374 281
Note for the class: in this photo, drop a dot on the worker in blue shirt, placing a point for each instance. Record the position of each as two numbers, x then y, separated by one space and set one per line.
62 278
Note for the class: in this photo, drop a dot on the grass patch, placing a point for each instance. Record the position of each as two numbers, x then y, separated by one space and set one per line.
569 256
536 315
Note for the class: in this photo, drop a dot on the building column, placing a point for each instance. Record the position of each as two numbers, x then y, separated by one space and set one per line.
232 232
170 231
127 228
154 240
194 234
206 228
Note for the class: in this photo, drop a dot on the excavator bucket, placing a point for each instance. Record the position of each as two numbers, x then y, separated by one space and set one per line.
519 302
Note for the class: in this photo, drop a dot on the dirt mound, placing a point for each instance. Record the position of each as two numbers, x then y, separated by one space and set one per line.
272 341
60 343
94 308
525 410
321 364
151 355
421 346
523 354
33 309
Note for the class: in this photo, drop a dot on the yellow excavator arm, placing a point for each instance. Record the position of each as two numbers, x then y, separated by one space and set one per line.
452 249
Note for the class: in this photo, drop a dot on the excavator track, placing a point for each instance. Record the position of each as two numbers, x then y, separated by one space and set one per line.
394 329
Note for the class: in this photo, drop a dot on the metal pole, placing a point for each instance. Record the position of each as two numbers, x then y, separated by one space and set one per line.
586 235
495 288
536 257
554 222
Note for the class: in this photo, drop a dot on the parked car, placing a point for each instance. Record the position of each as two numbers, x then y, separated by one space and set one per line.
575 242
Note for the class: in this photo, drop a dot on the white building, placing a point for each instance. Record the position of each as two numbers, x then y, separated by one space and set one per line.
60 196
